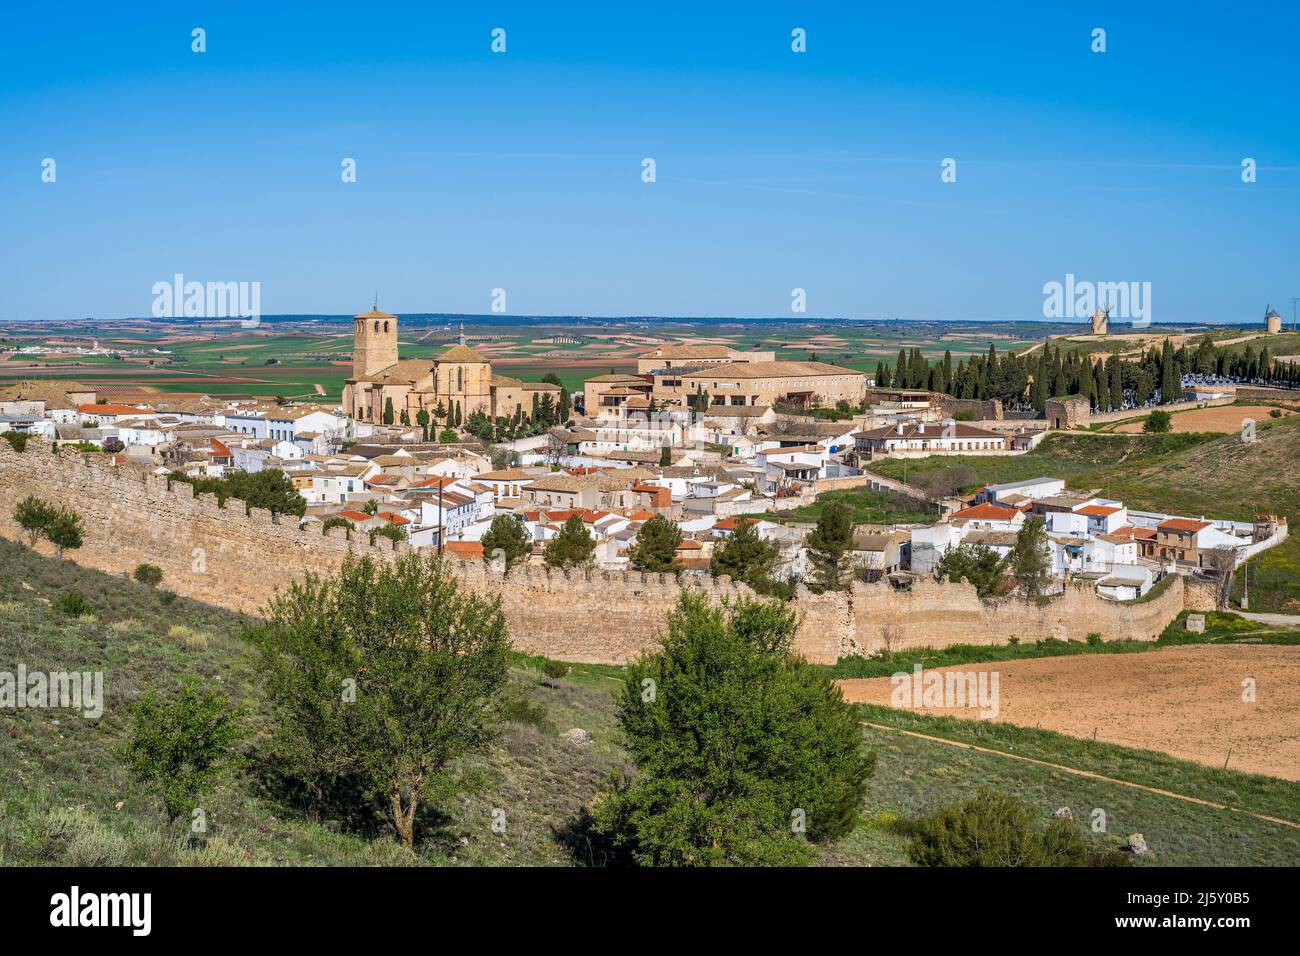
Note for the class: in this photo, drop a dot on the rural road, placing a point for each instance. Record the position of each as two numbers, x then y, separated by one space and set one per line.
1281 620
1084 773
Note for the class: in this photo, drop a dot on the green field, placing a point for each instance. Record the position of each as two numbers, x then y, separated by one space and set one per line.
65 798
219 358
867 507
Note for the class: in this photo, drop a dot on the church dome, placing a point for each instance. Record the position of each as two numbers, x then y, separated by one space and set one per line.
461 353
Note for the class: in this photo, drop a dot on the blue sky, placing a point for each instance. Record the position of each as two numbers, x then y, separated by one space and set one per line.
775 170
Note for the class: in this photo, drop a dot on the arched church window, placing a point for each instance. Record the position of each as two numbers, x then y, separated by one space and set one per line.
385 325
460 380
376 325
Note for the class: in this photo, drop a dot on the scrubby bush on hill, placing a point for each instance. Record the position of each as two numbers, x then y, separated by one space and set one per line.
744 753
996 829
179 744
149 574
383 677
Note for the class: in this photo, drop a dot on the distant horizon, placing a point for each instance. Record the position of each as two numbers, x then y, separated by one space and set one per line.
577 318
798 159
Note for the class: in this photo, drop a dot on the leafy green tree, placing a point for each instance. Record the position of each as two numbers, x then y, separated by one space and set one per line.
665 456
745 556
829 546
389 673
179 744
572 547
508 535
422 419
745 754
370 507
269 489
33 515
553 671
996 829
448 436
1158 421
64 530
976 563
1030 560
655 546
388 411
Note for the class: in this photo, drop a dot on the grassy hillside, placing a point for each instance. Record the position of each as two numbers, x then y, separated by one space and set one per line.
62 786
65 799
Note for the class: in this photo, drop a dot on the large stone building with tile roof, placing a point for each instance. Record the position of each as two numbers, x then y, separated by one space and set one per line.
460 380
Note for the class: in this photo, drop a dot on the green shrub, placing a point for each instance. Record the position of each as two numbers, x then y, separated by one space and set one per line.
179 744
745 754
72 603
554 670
518 708
149 574
336 522
74 837
1158 421
996 829
16 439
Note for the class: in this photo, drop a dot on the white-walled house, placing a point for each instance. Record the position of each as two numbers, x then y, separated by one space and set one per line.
1029 488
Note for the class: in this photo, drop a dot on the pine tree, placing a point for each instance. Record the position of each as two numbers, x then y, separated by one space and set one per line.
388 411
828 545
655 546
507 539
745 556
1029 560
572 547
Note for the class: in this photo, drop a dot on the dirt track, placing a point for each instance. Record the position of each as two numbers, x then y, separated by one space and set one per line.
1185 701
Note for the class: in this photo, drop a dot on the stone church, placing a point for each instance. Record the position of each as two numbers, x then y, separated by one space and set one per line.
458 382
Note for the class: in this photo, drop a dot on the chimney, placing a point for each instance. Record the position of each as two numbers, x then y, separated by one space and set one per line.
900 428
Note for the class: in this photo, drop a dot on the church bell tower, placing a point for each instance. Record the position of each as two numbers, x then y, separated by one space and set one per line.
374 342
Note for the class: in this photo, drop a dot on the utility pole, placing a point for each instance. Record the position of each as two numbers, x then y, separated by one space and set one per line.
1294 300
442 532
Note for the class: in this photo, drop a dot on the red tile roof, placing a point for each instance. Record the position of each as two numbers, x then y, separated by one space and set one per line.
1182 525
985 512
1100 511
111 410
1129 531
464 549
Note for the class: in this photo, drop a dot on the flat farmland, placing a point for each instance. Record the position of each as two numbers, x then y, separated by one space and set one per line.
1224 419
1183 701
